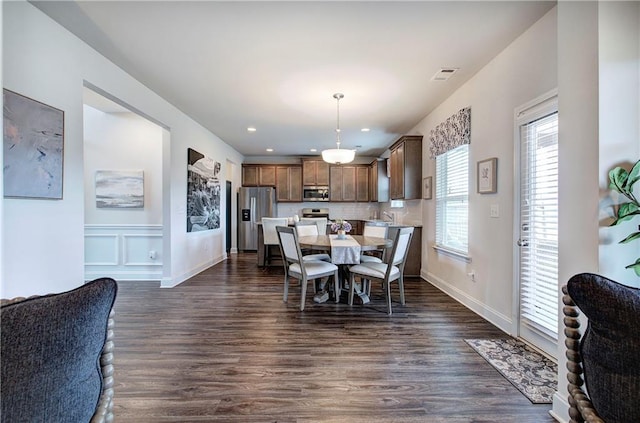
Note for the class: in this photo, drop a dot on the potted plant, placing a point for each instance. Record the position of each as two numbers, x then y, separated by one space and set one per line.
623 182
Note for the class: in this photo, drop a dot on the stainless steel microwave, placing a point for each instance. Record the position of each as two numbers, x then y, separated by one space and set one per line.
315 194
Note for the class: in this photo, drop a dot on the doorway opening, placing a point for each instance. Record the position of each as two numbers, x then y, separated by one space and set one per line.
125 200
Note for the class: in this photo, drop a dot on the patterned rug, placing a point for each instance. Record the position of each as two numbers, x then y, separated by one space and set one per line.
529 371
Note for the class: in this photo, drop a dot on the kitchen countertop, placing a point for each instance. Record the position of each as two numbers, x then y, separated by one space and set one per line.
397 224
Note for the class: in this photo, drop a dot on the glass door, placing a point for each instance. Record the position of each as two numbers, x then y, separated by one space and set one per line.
538 228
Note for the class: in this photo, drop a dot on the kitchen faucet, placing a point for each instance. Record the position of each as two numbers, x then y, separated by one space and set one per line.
390 215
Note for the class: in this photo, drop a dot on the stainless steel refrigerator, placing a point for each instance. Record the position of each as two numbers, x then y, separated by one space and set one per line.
253 205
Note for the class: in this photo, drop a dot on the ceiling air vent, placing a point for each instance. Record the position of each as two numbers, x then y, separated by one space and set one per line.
444 74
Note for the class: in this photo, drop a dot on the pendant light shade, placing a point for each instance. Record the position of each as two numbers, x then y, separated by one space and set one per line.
338 155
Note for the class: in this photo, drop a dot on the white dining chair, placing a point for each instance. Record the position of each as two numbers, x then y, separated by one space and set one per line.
310 229
376 230
270 235
300 269
321 223
390 270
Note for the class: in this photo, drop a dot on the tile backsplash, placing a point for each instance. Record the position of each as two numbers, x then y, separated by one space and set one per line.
409 214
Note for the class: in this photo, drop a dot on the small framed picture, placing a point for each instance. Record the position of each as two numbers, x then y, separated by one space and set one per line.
426 188
488 176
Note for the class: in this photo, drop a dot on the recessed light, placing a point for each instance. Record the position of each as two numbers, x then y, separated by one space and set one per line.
251 129
365 130
313 150
269 150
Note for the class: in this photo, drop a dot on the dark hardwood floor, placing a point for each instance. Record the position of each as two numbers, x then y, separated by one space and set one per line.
223 347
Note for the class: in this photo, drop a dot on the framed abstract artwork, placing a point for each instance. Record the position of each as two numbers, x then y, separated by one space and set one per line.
488 176
33 148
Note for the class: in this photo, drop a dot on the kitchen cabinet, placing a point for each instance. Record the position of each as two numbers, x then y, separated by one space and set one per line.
414 257
289 183
378 181
315 173
405 181
258 175
349 183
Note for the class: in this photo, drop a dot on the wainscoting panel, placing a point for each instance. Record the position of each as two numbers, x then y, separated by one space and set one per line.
123 252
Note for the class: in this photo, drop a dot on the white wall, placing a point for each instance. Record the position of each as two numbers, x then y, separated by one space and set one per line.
122 141
578 153
598 89
44 239
619 132
525 70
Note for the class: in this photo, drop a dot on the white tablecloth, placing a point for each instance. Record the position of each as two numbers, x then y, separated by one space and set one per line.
344 251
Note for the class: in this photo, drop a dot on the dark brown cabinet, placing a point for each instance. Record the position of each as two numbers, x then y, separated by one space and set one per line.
315 172
349 183
257 175
378 181
405 181
289 183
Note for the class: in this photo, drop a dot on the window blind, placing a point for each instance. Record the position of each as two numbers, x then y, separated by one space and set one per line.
452 199
539 224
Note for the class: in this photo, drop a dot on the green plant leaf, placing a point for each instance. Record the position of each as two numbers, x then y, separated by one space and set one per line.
635 266
618 177
626 211
630 238
633 177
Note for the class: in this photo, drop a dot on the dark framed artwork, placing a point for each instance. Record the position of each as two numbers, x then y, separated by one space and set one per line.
33 148
203 192
427 188
488 176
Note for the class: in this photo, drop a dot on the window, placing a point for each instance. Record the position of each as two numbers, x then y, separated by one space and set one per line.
452 200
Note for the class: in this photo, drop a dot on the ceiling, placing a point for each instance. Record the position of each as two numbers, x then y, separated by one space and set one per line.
276 65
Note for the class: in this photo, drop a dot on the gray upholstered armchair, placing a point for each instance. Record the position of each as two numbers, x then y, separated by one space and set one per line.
57 356
604 361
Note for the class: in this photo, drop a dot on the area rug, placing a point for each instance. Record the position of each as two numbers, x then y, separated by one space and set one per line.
529 371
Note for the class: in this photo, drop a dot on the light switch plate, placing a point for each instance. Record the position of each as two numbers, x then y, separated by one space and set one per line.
495 210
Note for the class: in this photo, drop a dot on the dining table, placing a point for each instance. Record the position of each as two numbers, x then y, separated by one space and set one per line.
345 252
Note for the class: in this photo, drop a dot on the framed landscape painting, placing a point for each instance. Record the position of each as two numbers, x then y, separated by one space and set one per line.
33 148
119 189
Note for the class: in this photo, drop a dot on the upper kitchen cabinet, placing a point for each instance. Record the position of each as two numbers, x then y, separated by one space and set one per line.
289 183
349 183
405 181
257 175
378 181
315 172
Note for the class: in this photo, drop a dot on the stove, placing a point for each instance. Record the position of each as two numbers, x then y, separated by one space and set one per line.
315 212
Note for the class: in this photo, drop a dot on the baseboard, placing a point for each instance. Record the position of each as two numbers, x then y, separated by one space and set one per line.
175 281
560 410
124 276
496 318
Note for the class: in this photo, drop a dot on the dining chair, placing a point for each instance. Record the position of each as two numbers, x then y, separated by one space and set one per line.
295 266
310 229
321 223
376 230
390 270
270 235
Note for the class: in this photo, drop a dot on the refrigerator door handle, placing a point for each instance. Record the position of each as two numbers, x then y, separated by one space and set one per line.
252 207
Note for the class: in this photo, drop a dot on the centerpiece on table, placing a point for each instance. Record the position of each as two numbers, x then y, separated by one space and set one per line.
341 227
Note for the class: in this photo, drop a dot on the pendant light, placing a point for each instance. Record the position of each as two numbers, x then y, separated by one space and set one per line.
336 155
